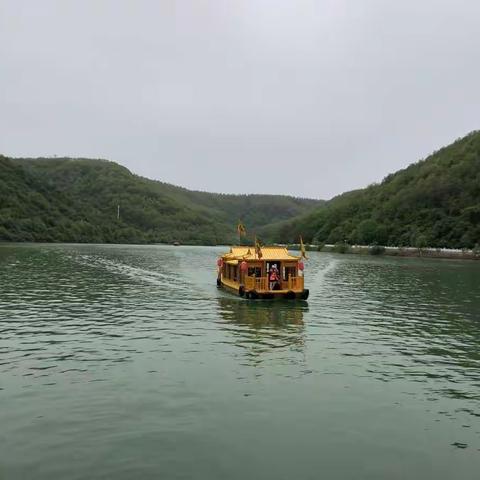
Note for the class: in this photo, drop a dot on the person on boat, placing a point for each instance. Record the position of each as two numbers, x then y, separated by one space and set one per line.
273 276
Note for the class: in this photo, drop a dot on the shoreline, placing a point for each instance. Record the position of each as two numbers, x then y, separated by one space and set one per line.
375 250
411 252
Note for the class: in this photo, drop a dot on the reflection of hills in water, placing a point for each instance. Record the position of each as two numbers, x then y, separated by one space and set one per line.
264 326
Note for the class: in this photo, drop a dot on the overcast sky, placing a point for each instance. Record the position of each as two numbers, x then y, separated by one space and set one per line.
309 98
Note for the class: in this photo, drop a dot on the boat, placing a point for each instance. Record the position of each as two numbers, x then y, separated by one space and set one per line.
247 272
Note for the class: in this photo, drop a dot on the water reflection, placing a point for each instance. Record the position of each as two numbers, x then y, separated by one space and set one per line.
262 328
262 314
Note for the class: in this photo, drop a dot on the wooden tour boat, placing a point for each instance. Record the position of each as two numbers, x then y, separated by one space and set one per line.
247 271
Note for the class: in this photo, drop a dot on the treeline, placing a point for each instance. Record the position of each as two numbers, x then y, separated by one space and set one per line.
76 200
432 203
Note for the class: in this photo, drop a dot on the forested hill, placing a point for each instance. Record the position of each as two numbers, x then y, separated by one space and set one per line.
75 200
434 202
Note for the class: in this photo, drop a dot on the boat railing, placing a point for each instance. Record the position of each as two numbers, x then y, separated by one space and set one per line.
256 283
261 283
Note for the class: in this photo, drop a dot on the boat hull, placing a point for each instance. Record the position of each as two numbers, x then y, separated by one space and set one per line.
240 291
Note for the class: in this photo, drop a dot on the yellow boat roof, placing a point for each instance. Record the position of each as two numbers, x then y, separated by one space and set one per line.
268 253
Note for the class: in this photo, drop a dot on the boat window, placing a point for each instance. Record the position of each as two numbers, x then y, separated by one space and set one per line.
254 272
289 272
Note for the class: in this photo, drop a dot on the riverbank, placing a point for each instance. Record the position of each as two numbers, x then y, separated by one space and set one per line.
451 253
460 254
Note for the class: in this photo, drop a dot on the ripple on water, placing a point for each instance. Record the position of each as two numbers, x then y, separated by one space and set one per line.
103 325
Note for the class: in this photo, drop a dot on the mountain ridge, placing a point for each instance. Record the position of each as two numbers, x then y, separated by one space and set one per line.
75 199
433 202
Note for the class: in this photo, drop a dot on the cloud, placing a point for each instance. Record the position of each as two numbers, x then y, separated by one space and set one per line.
308 98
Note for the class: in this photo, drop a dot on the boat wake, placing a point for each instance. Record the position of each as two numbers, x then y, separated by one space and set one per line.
317 273
161 279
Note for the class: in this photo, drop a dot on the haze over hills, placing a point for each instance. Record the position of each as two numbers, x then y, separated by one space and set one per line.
434 202
75 200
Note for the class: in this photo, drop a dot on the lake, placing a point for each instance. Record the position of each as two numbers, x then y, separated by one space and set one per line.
122 362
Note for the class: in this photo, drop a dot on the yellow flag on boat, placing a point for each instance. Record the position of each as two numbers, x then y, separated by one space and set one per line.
241 230
302 249
258 248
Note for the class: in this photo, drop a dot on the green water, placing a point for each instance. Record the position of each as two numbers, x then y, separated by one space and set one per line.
125 362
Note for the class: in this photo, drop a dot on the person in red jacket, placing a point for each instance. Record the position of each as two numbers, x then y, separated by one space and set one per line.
273 277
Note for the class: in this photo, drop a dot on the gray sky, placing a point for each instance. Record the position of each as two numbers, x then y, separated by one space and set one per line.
309 98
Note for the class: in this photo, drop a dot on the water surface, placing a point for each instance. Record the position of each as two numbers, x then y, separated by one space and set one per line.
127 362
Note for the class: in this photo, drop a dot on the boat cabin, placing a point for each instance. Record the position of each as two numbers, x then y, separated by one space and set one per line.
266 272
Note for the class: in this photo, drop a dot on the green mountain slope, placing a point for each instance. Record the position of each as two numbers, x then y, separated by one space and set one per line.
75 200
434 202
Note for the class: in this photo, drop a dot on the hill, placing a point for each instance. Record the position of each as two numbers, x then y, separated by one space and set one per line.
75 200
434 202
